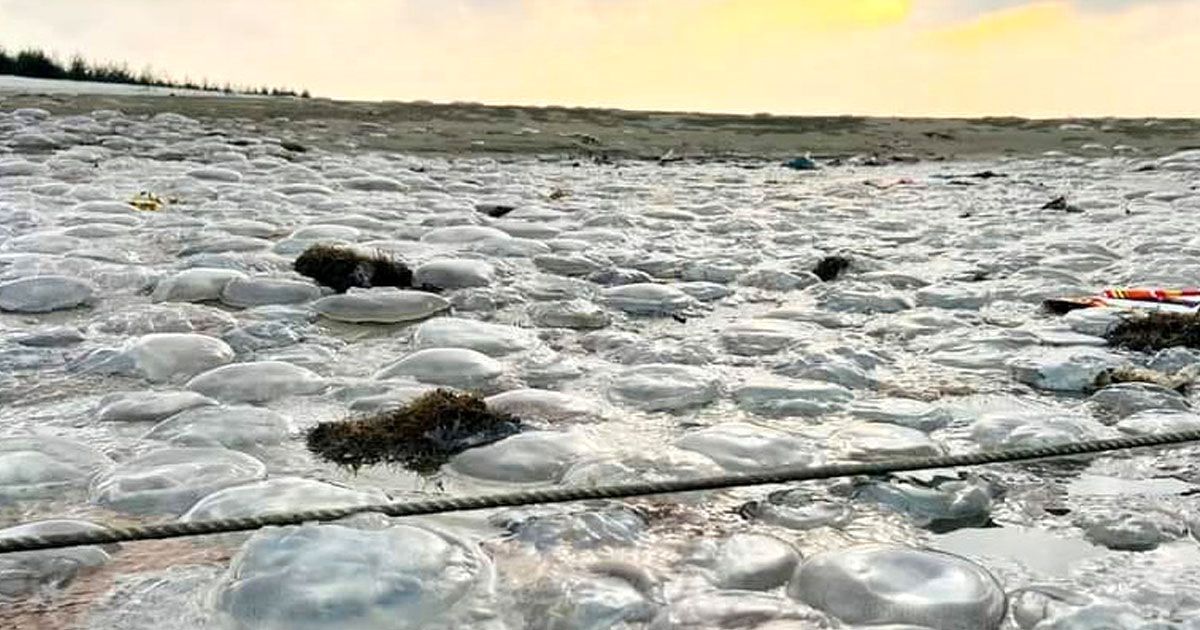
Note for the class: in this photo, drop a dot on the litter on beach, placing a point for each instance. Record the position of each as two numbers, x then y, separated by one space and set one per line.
1134 299
150 202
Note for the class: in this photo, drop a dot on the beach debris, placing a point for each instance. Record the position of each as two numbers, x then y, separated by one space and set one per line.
1060 203
1177 301
1180 381
873 160
669 157
805 163
1156 331
294 147
421 436
830 267
961 179
1062 306
150 202
586 139
494 210
341 268
903 181
558 193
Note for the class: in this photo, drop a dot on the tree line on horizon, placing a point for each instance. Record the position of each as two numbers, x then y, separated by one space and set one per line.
35 63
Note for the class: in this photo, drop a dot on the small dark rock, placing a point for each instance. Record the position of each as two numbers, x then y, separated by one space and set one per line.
1058 203
987 175
830 267
1062 306
293 147
494 210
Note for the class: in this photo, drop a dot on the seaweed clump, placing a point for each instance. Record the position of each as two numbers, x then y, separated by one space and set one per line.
1156 331
830 267
1180 382
341 268
421 436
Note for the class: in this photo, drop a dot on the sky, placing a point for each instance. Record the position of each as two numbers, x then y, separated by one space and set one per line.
1036 58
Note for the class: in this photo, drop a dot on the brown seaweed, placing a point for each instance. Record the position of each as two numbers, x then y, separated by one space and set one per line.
421 435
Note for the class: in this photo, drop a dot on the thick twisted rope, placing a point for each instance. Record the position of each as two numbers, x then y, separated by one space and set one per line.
619 491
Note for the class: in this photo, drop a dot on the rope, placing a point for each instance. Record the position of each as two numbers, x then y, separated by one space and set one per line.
563 495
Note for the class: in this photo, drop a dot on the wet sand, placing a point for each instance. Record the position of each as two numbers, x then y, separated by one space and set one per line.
467 128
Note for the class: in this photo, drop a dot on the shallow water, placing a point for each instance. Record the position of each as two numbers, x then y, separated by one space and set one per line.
733 355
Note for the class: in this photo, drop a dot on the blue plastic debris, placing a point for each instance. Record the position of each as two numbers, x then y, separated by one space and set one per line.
805 163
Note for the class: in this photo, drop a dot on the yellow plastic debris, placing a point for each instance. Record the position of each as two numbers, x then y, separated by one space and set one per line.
149 202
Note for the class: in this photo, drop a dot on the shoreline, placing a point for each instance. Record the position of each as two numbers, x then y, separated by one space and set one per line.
466 129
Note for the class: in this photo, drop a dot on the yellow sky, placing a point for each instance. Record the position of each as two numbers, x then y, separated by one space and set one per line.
885 57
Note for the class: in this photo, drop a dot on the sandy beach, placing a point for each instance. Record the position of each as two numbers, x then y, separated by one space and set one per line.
424 128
